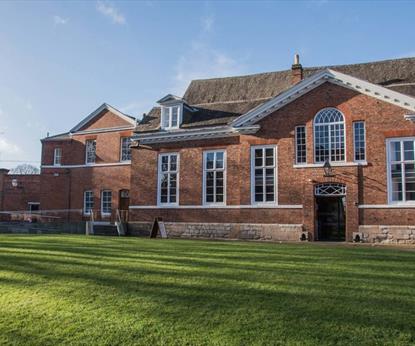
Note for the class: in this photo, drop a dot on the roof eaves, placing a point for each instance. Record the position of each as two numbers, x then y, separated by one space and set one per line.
326 75
97 111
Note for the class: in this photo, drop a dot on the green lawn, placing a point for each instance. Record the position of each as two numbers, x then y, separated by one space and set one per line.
109 291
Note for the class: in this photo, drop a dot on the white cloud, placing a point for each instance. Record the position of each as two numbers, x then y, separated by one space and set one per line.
58 20
7 147
111 12
202 61
207 23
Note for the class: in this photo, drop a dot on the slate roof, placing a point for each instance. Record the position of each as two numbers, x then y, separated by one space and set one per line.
218 101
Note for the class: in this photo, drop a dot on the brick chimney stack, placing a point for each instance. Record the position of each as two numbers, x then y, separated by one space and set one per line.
296 70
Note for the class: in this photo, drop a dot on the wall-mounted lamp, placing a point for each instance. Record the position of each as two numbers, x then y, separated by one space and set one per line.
15 183
328 170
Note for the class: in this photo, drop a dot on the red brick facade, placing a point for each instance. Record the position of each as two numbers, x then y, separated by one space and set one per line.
62 187
365 184
17 191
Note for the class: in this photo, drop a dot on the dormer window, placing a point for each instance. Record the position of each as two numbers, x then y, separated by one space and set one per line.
170 117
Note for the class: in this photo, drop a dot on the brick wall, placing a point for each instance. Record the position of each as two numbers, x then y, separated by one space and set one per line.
17 198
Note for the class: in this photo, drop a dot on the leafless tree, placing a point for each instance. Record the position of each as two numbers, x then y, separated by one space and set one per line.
25 169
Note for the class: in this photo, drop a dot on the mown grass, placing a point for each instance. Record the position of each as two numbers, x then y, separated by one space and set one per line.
113 291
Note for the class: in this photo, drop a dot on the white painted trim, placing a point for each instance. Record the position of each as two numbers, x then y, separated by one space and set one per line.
41 211
103 130
329 124
247 206
170 98
124 163
316 80
354 140
388 169
224 177
169 109
159 173
194 134
333 164
263 204
386 206
98 111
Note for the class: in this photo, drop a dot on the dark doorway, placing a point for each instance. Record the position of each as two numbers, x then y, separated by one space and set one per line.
124 200
330 218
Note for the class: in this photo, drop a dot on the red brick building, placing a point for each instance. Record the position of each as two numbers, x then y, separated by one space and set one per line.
19 194
323 153
88 168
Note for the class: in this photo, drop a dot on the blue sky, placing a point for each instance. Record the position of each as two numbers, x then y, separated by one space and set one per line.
61 60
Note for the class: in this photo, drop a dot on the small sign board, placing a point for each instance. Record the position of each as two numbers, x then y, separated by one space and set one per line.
158 226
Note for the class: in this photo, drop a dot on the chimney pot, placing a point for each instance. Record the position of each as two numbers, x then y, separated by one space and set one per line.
296 70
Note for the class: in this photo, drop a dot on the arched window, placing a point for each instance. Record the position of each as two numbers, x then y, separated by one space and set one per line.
329 135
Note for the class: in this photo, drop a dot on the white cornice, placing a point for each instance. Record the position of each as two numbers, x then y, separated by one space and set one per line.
96 165
106 129
194 134
308 84
98 111
387 206
247 206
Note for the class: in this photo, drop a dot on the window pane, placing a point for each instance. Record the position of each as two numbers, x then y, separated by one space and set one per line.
269 157
209 160
173 162
90 150
258 157
410 181
396 171
219 160
396 151
166 117
125 149
174 116
408 149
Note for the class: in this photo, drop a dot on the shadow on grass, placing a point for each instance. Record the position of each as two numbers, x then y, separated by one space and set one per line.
301 294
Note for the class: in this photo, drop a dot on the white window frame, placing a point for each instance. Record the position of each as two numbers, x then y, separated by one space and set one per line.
389 172
364 140
265 203
57 156
84 207
122 148
29 204
296 144
102 202
159 176
169 110
205 171
344 135
86 152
